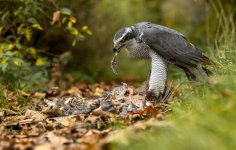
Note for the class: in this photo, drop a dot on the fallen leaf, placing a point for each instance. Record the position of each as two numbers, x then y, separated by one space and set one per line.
56 141
68 121
56 17
35 115
45 146
40 95
74 91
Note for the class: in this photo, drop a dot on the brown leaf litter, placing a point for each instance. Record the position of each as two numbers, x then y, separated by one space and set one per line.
68 120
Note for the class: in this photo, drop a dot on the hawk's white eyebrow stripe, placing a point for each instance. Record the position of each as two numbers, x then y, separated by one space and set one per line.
128 29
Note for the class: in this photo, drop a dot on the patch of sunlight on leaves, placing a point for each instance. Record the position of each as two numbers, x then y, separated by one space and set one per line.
69 25
28 34
17 63
87 30
10 47
40 61
74 31
3 60
23 30
73 19
31 50
37 26
84 28
6 46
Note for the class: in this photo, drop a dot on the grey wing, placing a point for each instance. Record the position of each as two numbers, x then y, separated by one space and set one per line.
172 45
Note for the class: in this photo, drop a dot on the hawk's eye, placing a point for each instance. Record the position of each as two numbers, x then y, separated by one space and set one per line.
122 40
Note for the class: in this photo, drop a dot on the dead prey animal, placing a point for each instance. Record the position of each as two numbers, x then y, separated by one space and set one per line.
114 63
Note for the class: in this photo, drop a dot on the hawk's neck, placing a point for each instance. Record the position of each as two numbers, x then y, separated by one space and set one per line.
137 49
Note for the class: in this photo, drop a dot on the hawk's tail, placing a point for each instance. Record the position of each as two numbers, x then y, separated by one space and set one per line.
199 73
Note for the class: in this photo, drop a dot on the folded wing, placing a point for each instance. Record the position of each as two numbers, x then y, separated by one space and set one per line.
171 45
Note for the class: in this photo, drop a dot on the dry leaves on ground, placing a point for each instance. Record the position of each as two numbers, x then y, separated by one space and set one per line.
82 117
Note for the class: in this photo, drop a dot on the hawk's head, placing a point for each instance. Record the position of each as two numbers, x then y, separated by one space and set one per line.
123 37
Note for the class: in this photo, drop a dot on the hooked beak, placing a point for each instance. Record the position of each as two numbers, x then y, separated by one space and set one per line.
117 49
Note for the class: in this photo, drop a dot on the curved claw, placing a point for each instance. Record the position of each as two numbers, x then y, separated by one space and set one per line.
162 98
150 96
167 94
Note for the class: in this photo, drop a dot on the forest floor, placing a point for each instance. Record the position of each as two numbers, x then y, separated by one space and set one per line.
196 116
80 117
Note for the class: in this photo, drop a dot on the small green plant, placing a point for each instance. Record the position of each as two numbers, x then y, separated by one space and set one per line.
20 60
23 64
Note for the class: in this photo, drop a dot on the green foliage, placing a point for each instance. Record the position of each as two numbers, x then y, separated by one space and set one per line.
23 62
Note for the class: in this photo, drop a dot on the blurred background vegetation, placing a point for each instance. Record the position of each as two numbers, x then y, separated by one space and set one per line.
200 20
47 43
44 42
